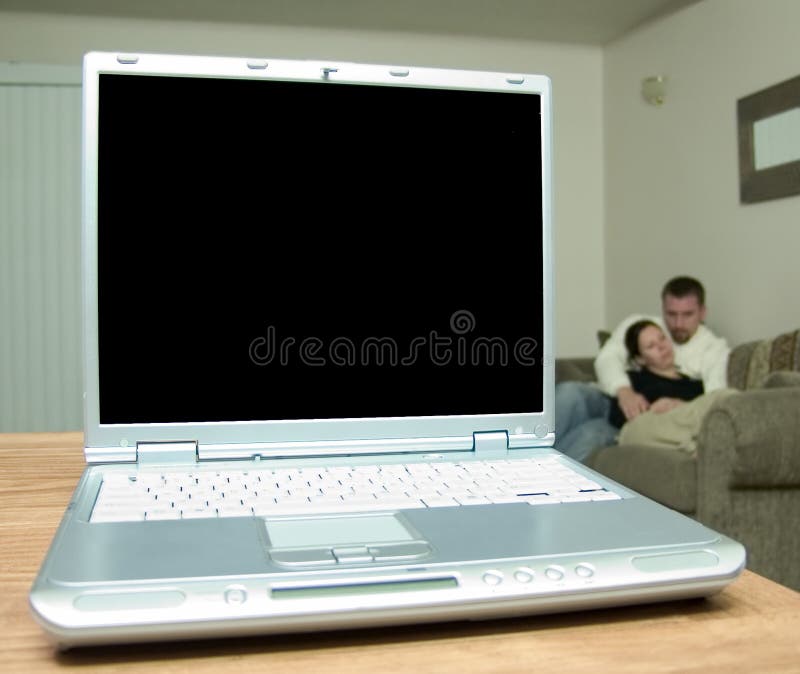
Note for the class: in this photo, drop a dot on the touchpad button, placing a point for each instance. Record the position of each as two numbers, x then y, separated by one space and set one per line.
304 557
400 552
357 555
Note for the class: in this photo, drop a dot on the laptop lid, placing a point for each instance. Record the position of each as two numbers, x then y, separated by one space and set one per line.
305 257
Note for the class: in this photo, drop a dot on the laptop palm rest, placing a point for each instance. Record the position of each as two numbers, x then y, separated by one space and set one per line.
243 546
150 550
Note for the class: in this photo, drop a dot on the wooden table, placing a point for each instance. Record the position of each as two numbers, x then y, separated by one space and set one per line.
752 626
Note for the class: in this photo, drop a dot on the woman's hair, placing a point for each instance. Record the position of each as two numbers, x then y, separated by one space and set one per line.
632 337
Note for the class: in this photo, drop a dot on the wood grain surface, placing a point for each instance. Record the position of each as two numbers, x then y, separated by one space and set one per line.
753 626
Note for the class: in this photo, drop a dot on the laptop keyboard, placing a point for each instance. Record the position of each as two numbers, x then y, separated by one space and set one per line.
172 495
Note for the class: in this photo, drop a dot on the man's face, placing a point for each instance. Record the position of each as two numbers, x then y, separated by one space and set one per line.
682 315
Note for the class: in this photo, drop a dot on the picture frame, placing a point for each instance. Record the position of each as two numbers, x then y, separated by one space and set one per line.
761 183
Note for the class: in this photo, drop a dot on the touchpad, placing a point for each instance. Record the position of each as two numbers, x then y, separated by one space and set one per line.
337 531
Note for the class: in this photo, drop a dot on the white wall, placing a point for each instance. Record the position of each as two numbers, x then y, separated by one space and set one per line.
577 81
40 355
672 198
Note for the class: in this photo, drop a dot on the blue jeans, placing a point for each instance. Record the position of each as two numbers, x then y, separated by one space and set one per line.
582 420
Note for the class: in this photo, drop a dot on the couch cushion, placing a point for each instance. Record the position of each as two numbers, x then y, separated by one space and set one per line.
668 476
574 369
750 364
783 379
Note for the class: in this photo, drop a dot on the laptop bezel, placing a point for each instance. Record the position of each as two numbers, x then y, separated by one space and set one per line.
302 436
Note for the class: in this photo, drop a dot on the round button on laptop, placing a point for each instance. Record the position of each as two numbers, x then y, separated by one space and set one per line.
523 575
493 577
584 570
235 595
554 572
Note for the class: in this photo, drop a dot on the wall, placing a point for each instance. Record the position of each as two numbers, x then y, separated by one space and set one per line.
672 200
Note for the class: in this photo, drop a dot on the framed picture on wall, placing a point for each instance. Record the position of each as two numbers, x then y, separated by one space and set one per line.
769 142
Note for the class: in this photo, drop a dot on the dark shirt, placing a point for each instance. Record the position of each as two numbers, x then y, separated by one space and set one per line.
652 387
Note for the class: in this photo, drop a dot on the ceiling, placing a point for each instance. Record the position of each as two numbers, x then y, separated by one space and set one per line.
589 22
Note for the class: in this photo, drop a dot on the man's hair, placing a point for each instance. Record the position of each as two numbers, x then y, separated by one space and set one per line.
683 286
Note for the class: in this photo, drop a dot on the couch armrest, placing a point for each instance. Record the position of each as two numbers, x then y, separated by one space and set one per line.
574 369
751 439
748 477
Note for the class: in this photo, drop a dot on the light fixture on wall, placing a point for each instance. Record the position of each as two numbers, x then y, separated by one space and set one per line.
654 89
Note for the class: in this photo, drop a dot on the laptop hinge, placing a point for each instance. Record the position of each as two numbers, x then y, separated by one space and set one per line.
490 443
158 453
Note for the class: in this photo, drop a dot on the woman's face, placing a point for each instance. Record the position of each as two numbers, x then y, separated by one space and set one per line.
655 349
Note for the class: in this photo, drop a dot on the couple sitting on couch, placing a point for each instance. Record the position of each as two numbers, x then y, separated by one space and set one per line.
648 404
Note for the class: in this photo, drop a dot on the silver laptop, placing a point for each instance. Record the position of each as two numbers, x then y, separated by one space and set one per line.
319 363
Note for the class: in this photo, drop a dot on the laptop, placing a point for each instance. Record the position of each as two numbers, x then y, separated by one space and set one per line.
319 350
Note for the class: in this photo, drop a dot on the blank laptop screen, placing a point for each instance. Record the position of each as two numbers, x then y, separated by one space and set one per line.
302 250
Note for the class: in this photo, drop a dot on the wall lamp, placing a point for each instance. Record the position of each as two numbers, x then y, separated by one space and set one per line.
654 89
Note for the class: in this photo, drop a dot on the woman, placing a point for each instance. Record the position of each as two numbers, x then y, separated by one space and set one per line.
669 422
655 376
677 403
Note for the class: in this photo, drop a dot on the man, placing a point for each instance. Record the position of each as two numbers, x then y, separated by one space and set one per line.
582 410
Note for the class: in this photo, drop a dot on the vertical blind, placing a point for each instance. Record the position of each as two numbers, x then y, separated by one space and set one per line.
40 308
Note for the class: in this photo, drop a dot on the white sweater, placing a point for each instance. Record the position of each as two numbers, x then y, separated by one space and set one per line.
704 356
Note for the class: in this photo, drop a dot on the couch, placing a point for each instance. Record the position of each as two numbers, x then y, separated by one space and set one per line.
744 479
